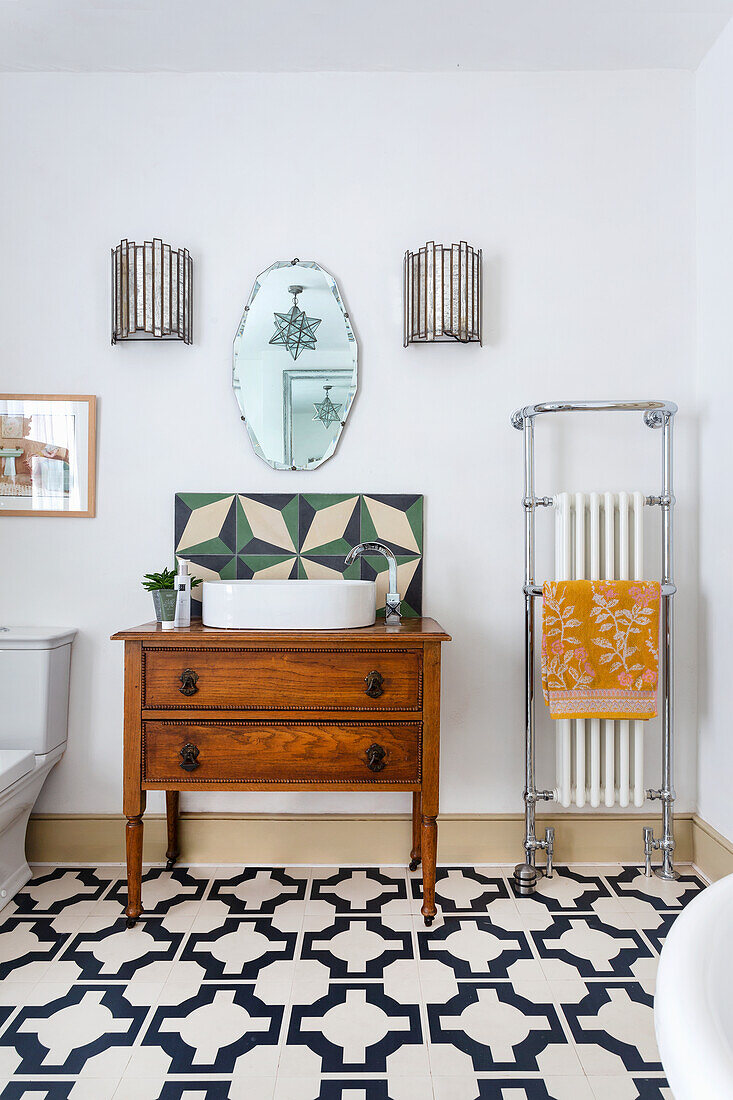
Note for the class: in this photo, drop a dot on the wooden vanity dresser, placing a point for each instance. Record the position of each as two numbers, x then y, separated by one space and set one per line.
219 710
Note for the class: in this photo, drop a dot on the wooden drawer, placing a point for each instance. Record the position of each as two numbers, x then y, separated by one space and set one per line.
287 752
282 679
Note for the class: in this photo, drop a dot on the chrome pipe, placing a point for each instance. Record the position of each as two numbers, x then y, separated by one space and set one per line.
667 793
536 589
550 849
529 536
525 874
529 501
656 412
649 845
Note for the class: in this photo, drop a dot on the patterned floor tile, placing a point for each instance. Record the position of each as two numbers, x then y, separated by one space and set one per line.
632 884
61 890
115 951
495 1027
97 1089
360 889
353 1088
355 1028
209 1032
260 890
512 1088
613 1028
658 935
163 890
239 948
195 1002
619 913
27 947
566 890
630 1088
253 1088
111 872
474 947
356 948
586 947
460 889
66 1033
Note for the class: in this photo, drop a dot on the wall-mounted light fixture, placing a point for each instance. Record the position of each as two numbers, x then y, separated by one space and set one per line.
442 294
152 292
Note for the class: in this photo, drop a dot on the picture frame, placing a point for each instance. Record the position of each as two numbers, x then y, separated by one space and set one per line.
48 449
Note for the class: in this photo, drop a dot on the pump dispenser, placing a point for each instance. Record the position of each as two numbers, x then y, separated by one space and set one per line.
182 585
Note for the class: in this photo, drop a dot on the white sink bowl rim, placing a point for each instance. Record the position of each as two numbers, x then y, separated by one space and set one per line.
289 605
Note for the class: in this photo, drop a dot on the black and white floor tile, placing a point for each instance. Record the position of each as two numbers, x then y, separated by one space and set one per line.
633 885
586 947
357 947
324 984
239 948
460 889
475 947
360 889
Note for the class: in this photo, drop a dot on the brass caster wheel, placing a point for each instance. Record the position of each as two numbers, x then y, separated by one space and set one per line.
170 864
428 921
414 864
131 922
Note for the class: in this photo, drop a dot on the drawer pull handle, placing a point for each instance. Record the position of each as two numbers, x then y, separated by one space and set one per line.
189 757
374 681
188 679
375 755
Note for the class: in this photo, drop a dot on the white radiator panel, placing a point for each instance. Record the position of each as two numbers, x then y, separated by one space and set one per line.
599 535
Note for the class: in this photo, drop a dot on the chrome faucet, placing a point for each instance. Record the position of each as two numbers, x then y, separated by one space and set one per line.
393 606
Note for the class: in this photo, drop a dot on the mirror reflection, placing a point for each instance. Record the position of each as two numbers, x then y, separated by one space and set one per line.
295 365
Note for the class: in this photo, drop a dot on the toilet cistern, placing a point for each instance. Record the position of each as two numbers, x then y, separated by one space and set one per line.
393 604
34 708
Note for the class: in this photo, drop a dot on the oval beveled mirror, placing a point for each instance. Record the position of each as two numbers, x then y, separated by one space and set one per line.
294 370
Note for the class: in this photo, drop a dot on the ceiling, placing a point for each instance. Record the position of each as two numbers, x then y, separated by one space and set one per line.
355 35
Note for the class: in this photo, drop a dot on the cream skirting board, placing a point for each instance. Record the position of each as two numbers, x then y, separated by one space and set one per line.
219 838
369 838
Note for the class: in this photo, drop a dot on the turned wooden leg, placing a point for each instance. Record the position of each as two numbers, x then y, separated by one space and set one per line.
416 827
171 813
133 798
134 844
429 856
430 769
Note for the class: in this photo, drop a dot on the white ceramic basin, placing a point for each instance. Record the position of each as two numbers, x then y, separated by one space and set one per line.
289 605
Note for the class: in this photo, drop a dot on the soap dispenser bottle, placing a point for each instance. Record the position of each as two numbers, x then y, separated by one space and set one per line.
182 585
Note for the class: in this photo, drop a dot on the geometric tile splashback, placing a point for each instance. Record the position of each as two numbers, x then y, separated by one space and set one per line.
228 536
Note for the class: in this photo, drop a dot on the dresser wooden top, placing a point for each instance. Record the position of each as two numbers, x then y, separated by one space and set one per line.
402 633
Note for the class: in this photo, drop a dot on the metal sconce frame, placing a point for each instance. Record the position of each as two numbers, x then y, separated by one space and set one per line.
152 292
442 294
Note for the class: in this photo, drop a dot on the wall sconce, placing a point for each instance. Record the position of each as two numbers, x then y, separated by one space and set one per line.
442 294
152 292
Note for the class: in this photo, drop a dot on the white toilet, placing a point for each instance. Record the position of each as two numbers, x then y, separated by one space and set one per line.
34 709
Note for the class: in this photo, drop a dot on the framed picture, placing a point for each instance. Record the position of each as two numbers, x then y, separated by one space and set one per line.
47 454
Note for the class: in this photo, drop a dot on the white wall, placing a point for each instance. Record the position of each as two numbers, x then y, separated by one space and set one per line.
715 393
579 188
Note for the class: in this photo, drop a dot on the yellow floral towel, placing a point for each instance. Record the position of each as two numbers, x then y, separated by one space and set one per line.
600 648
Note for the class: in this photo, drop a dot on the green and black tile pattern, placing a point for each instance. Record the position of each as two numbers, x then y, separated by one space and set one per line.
239 536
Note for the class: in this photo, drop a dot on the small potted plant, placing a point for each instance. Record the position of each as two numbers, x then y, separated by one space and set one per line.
160 585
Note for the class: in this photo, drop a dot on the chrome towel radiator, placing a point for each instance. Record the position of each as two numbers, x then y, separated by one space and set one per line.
657 414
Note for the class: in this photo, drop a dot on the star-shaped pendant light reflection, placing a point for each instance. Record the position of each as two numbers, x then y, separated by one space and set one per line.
326 411
294 330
